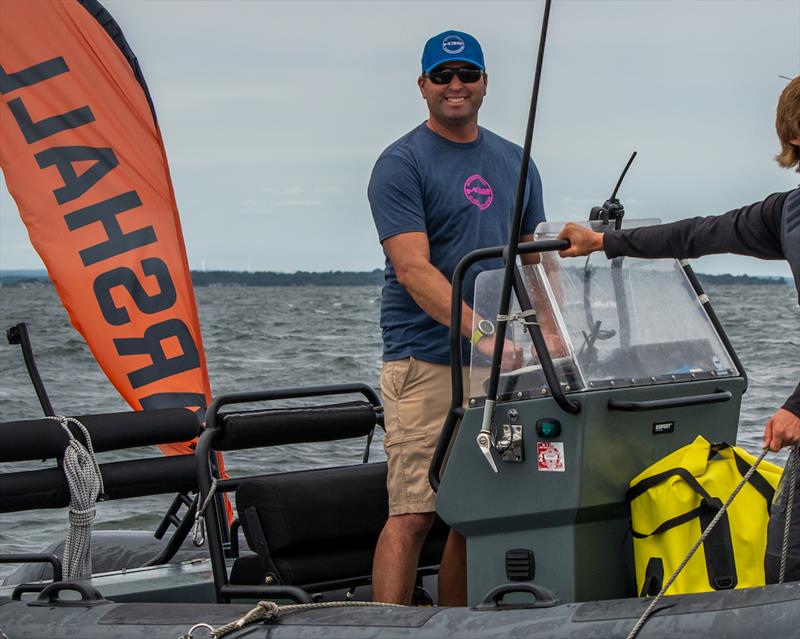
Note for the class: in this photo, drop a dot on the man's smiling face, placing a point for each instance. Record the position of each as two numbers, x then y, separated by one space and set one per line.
454 104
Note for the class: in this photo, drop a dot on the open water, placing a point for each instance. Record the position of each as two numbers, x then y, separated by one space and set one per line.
258 338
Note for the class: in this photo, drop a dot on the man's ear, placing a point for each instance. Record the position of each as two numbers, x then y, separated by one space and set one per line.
485 82
421 84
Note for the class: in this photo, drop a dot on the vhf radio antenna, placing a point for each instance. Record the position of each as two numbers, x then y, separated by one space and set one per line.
612 209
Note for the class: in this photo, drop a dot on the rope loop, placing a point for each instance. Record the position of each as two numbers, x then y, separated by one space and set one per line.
521 317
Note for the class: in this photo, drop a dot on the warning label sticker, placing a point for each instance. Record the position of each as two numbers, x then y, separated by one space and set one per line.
550 456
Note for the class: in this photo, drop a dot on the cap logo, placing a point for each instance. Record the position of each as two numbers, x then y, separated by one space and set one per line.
453 44
479 192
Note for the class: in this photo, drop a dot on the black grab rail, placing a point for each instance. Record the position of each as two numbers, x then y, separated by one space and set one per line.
456 411
214 438
716 397
712 315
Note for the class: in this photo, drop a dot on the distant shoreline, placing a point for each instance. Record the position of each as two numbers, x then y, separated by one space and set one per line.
21 278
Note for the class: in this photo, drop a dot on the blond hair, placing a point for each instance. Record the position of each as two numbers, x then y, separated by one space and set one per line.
787 124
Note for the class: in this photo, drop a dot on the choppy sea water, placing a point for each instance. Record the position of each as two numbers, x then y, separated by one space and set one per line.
258 338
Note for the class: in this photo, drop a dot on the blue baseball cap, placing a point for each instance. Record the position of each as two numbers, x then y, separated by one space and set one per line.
449 46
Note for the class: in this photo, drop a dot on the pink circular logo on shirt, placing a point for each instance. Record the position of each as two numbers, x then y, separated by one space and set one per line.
478 192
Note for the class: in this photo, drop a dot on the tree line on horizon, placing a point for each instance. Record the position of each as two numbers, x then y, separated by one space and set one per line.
334 278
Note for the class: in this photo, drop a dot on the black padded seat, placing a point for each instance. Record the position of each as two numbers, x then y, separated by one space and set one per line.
318 528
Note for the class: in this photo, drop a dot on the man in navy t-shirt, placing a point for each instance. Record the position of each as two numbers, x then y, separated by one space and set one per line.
439 192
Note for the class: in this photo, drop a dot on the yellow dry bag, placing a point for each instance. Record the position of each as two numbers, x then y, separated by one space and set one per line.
675 499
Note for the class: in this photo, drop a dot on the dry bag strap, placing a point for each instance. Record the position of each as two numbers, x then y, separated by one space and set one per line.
669 524
649 482
757 480
718 547
707 503
653 577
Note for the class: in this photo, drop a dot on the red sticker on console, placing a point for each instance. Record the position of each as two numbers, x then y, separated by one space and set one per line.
550 456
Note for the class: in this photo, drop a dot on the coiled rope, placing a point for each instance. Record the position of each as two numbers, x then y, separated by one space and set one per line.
85 485
649 611
268 610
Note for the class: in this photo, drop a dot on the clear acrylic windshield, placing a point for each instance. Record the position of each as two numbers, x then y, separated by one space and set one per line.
608 323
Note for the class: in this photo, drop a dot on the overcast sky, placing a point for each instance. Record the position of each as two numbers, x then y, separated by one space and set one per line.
273 113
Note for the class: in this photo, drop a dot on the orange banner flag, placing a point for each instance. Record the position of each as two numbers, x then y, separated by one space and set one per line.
84 159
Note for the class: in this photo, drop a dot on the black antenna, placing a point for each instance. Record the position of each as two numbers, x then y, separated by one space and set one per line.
511 253
612 208
622 177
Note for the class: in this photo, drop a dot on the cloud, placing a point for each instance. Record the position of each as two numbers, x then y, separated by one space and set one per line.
299 203
268 107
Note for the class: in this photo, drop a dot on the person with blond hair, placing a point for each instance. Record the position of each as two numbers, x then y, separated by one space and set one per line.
769 230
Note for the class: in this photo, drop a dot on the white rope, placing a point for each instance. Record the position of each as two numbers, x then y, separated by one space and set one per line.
268 610
85 484
649 611
521 317
794 459
198 533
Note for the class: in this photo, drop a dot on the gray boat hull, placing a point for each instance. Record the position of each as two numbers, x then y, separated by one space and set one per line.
737 614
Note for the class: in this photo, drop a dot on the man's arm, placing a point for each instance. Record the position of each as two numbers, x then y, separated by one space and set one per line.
752 230
782 429
409 254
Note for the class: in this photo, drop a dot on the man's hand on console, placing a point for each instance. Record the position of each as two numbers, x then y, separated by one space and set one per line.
582 240
782 429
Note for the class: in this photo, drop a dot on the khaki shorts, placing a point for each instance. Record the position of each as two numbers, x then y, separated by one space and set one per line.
416 399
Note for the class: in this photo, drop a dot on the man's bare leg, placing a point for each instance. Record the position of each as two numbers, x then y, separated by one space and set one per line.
394 569
453 571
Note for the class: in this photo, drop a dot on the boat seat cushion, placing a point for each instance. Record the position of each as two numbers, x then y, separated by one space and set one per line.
318 525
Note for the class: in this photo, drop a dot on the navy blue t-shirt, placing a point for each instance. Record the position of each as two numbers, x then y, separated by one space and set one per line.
462 197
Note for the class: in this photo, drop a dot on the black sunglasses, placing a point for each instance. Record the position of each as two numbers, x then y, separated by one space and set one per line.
467 75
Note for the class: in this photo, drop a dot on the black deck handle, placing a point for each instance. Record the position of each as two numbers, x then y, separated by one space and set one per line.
50 595
716 397
26 589
542 597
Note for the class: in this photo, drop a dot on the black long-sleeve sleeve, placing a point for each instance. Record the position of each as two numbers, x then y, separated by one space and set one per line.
793 403
753 230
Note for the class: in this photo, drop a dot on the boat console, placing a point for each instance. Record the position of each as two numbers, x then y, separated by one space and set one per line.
641 369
